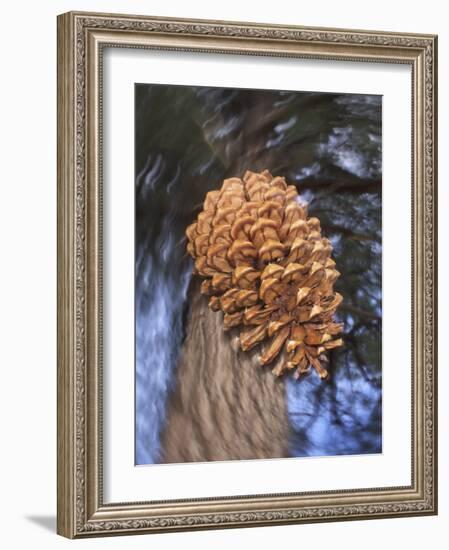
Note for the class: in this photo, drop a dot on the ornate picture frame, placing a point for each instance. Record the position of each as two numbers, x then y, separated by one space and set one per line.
82 39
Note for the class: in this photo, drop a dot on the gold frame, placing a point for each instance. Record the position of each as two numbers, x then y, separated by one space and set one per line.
81 37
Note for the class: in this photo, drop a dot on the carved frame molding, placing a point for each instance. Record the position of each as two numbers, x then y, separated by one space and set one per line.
81 39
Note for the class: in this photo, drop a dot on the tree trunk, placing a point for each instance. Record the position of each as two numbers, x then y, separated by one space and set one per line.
225 406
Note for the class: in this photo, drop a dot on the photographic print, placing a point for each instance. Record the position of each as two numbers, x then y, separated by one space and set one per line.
258 274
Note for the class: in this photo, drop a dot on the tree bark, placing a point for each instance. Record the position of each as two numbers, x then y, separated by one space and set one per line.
225 406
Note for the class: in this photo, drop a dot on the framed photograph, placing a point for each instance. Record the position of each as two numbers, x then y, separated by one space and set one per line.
246 274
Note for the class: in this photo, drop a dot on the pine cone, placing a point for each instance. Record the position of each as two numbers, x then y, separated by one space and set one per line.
267 267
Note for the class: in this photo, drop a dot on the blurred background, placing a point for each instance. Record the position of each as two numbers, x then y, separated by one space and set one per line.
187 140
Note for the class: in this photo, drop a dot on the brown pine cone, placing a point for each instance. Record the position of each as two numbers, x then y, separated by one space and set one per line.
267 267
